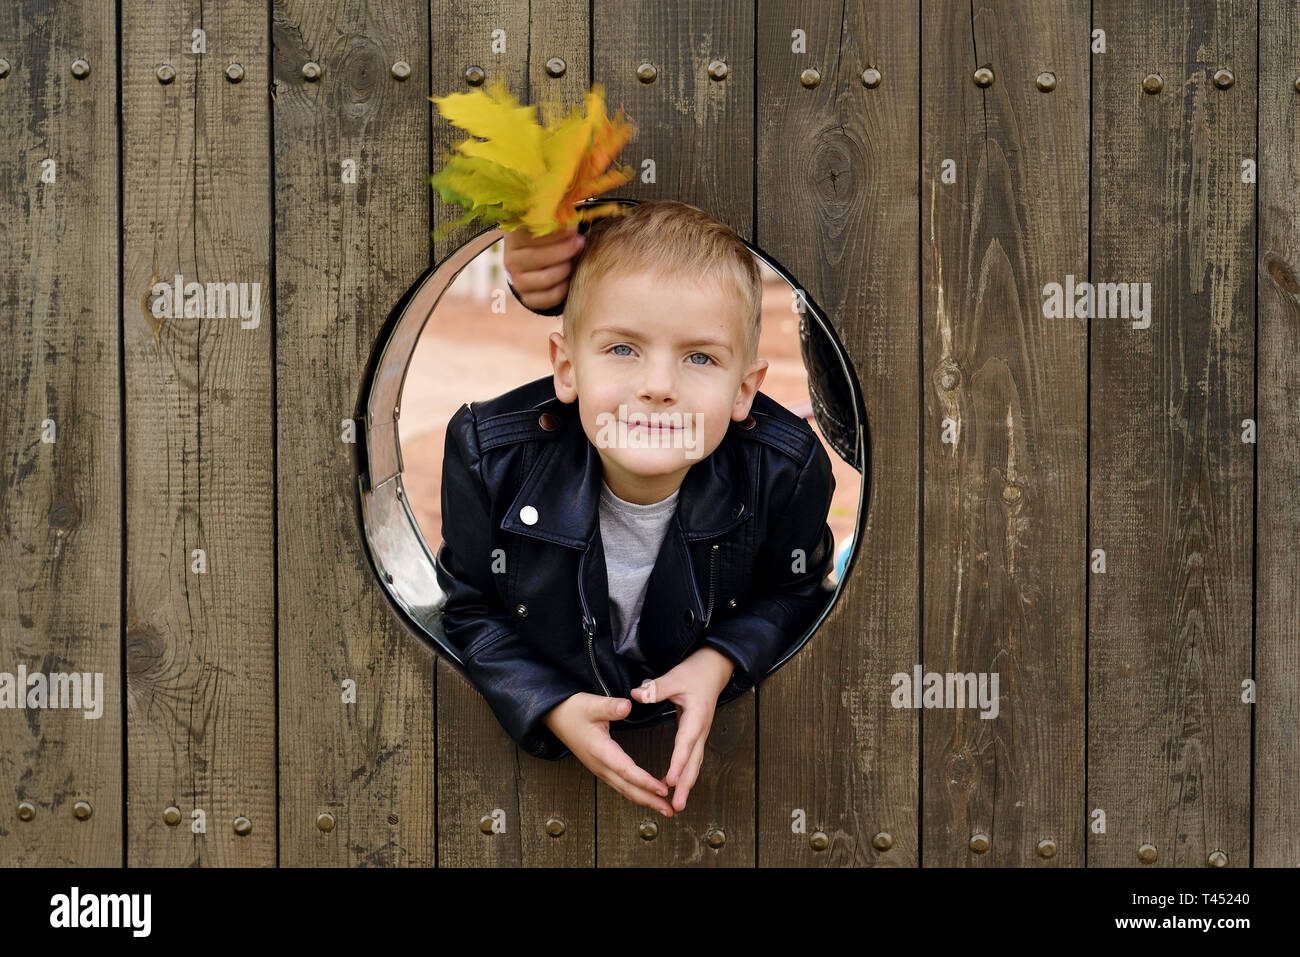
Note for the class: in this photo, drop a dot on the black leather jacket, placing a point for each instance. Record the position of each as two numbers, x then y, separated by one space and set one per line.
741 568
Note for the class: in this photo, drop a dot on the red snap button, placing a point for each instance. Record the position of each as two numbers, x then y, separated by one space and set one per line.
549 422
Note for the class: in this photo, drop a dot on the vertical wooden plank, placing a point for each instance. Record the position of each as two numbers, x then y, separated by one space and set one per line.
1171 479
199 643
60 494
480 769
1276 840
699 133
837 171
1005 395
368 762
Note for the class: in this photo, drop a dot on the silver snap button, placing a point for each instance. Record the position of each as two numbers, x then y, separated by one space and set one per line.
528 515
731 603
521 610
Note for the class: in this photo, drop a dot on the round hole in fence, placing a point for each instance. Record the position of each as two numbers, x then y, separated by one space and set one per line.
557 462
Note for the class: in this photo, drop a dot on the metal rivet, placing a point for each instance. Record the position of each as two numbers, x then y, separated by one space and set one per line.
810 78
882 841
715 837
749 422
648 830
1218 859
26 810
554 826
556 66
234 73
871 78
80 68
172 816
1224 79
1297 84
1153 83
243 826
1147 853
979 843
325 822
397 412
1011 494
1046 81
818 841
646 73
165 74
474 75
401 70
1046 847
547 421
311 71
731 603
82 810
393 819
521 610
983 76
717 70
4 70
528 515
485 824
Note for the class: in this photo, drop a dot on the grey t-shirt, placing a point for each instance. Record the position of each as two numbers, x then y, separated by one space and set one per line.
631 535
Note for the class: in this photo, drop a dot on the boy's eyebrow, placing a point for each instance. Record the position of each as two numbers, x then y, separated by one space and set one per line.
634 334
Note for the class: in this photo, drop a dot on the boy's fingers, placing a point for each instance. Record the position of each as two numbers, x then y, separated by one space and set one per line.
689 777
688 733
523 259
639 795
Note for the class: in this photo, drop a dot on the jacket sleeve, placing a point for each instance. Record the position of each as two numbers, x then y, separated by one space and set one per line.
517 683
555 310
794 560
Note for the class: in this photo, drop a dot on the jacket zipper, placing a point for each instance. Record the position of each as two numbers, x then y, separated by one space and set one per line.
713 581
589 631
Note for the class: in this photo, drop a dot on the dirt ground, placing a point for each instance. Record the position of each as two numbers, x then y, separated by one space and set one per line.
467 352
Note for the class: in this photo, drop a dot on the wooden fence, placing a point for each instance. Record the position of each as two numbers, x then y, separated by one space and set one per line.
1099 510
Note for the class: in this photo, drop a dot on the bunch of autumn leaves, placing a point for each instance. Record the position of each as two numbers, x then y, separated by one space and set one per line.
515 172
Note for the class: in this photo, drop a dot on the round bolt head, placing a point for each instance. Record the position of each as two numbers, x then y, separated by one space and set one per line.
1296 84
26 810
401 70
475 76
4 68
485 824
871 78
82 810
717 70
1046 847
165 74
80 68
1147 853
554 826
393 819
818 841
1218 859
810 78
311 71
715 837
646 73
556 66
979 843
882 841
648 830
1046 81
1224 79
172 816
325 822
1153 83
234 73
983 76
243 826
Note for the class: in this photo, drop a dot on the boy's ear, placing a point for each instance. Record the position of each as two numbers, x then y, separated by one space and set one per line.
749 385
565 389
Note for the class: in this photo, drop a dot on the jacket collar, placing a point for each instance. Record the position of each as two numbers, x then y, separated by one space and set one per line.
563 486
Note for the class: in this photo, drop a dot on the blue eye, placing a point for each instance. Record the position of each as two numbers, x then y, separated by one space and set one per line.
621 345
706 356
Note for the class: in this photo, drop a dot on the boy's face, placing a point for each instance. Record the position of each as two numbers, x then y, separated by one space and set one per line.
661 353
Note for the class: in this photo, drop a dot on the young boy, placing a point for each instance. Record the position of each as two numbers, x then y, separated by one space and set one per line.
642 528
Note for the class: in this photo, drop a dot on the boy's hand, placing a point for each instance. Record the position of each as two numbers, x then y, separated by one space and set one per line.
581 721
694 686
539 268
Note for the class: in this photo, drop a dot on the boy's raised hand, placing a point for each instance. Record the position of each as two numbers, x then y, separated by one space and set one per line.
539 267
694 686
581 721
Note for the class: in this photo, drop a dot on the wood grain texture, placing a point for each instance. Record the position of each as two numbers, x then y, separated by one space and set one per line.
837 206
200 646
345 252
1171 479
60 501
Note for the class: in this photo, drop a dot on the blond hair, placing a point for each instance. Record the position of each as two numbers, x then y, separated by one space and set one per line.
674 240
